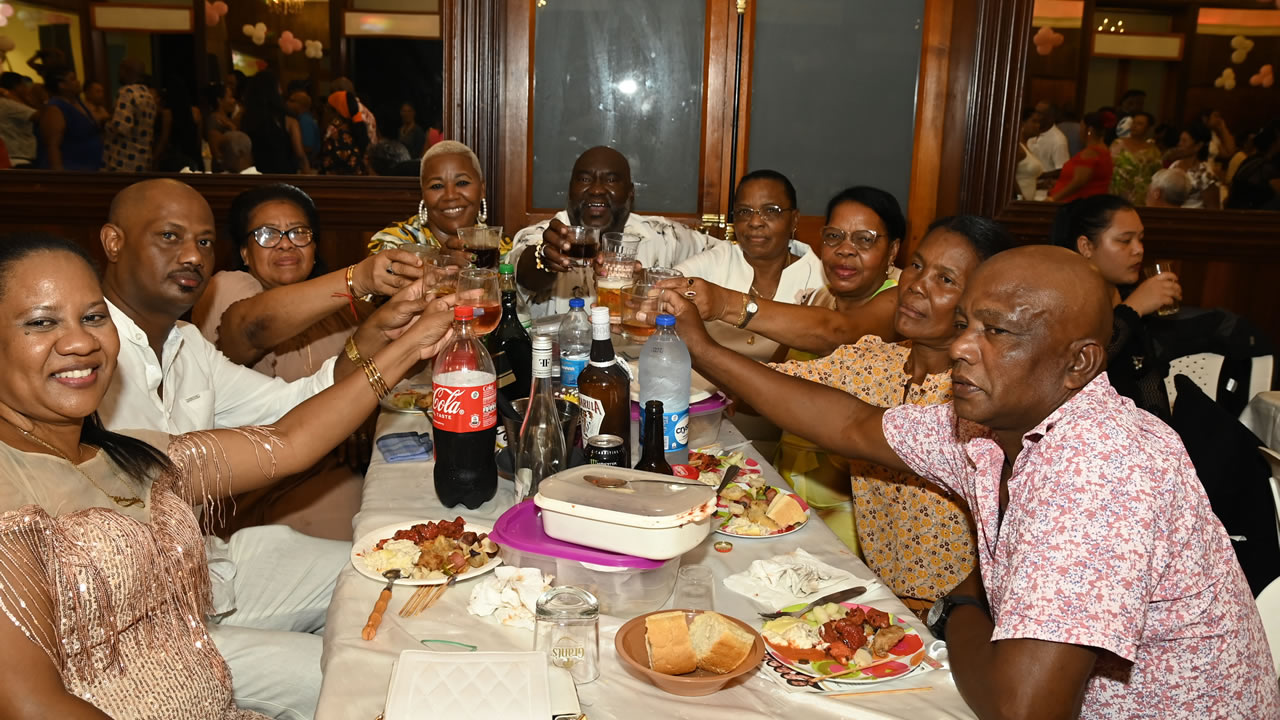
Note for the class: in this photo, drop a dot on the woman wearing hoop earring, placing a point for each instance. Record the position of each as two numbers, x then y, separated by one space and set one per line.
452 198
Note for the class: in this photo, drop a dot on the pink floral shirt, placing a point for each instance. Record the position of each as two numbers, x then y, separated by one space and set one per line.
1108 541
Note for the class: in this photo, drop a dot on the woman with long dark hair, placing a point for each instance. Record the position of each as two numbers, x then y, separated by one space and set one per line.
277 138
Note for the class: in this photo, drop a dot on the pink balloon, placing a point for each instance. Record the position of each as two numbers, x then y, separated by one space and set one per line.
221 7
210 15
6 11
4 20
287 35
1256 80
1268 81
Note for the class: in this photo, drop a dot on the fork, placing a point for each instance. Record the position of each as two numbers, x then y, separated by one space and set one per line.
835 597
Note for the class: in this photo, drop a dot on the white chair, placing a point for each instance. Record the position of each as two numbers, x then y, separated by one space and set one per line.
1269 599
1204 368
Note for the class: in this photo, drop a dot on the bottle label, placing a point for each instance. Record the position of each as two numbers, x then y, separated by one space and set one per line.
592 416
462 409
675 431
571 368
506 375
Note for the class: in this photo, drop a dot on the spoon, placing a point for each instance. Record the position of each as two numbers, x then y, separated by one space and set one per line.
380 607
605 481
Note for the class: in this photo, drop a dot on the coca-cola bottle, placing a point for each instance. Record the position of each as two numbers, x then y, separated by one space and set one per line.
464 418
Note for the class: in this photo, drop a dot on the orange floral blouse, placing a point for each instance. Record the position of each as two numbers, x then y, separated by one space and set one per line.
915 535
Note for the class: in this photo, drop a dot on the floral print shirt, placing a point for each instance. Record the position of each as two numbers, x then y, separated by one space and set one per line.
1108 541
339 154
915 535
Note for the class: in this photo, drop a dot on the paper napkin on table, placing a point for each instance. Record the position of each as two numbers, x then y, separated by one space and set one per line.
796 577
510 595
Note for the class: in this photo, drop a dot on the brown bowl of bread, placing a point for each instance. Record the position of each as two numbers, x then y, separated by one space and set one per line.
689 652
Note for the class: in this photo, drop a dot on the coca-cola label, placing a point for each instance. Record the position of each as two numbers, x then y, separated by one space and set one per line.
461 404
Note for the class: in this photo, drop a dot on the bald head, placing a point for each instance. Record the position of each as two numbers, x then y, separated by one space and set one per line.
140 198
1060 286
600 190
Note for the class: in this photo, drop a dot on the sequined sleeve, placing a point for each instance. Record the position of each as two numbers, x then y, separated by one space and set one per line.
205 471
26 577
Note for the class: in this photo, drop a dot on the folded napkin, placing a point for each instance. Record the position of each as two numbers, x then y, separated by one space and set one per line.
510 594
405 447
794 578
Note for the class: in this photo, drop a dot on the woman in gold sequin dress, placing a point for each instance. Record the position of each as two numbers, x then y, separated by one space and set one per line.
103 583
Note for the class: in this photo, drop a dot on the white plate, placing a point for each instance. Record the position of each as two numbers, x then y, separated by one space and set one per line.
722 517
367 543
403 395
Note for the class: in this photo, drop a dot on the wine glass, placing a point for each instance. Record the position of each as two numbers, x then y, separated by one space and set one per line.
478 287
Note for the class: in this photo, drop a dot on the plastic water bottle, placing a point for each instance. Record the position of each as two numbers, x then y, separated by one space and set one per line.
575 345
665 374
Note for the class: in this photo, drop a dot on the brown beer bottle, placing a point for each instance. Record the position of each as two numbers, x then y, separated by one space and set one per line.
604 388
652 457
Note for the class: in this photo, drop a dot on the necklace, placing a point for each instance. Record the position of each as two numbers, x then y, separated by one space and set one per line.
751 339
117 499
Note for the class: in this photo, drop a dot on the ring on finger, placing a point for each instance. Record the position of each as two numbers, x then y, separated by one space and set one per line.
691 293
389 270
690 282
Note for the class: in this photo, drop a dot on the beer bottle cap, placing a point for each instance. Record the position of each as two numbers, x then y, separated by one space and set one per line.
506 269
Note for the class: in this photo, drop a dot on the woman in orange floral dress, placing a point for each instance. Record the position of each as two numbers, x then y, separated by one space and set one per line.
915 536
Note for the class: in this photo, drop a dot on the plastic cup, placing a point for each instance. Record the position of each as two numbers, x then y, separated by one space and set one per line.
695 588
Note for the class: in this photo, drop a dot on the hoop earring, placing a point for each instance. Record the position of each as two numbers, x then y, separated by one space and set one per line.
483 217
422 214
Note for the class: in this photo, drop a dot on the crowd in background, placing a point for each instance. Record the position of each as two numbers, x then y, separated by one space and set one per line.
244 124
1126 151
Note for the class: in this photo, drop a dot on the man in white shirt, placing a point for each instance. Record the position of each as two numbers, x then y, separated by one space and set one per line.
1050 146
601 196
271 584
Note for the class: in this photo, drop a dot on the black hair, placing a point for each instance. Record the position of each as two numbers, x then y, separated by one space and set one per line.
1027 112
303 84
1088 216
882 203
1165 135
769 175
1151 119
263 103
386 154
11 80
241 81
136 458
246 202
1201 134
53 76
987 236
1094 121
1132 93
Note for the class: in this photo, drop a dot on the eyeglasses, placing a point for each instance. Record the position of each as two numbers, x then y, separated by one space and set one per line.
269 237
770 213
861 239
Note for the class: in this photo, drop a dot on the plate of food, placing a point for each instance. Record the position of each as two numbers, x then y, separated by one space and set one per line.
407 397
708 461
753 508
847 642
426 553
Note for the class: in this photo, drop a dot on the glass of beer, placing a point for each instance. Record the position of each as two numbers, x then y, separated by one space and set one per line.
584 243
640 308
613 273
478 287
482 243
1160 267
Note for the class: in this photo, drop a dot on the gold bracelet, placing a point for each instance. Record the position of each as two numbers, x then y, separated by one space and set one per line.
746 298
375 379
353 352
537 254
351 286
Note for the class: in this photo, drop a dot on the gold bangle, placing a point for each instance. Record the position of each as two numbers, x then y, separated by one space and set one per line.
351 286
742 315
375 379
353 352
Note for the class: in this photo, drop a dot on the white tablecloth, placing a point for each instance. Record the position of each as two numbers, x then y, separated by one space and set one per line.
356 672
1263 417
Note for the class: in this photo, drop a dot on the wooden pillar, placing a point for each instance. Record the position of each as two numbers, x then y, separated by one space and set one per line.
472 32
337 50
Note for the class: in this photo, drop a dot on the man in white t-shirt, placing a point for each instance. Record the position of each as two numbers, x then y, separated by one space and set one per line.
601 196
1050 146
271 584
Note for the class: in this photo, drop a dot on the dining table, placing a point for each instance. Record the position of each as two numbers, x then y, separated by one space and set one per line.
357 671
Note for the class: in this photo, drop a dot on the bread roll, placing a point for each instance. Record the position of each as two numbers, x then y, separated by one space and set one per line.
666 638
785 511
719 644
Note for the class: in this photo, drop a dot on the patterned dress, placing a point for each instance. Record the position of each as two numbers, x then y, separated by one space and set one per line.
115 596
411 232
1132 171
916 536
130 131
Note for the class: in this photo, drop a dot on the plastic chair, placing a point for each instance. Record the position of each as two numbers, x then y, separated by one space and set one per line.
1204 370
1269 608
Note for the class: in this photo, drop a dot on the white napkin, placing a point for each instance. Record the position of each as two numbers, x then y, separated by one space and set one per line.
510 594
796 577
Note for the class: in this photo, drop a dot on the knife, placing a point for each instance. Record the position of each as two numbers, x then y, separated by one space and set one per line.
729 475
834 597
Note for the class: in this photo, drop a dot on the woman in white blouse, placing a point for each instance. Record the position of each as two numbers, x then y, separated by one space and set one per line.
765 261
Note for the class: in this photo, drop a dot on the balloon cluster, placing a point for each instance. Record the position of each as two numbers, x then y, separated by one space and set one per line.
6 12
1240 45
213 12
257 33
1265 77
315 49
1227 80
1046 39
288 43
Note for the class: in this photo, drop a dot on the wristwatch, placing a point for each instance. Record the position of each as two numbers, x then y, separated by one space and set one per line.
941 611
749 311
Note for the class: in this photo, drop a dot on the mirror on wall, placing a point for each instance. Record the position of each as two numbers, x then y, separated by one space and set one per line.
1170 105
132 87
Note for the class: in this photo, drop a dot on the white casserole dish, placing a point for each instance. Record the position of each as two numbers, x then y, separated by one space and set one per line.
658 521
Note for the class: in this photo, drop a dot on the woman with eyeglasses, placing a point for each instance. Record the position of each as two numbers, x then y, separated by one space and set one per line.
282 315
766 261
